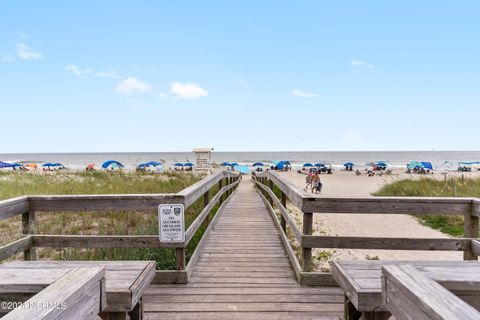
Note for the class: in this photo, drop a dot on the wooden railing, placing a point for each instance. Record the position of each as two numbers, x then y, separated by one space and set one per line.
410 294
270 182
28 205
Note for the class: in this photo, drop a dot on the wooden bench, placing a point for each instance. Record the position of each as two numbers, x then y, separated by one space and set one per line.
125 282
411 294
361 282
77 293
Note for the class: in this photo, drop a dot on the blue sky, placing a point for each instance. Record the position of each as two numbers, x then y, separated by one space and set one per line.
239 75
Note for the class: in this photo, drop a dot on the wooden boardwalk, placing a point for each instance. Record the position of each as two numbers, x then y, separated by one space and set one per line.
243 273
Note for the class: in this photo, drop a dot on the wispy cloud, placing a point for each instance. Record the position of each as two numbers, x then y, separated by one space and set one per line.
110 75
77 70
24 52
242 84
132 85
187 90
302 94
360 63
22 35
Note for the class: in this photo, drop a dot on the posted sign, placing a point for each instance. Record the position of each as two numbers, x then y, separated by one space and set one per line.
171 221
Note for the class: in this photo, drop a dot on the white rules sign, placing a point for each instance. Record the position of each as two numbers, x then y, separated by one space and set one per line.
171 219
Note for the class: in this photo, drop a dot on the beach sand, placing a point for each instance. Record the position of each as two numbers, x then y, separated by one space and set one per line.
347 184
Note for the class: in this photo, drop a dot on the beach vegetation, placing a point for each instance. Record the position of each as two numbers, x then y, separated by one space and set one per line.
428 187
100 223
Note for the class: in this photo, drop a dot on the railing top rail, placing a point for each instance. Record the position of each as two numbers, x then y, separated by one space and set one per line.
420 205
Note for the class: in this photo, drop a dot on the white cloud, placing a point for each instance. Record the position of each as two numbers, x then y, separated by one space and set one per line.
360 63
302 94
110 74
26 53
187 90
78 71
132 85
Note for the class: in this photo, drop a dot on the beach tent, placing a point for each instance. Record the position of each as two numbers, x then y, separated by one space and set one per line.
257 164
427 165
471 163
31 165
226 164
6 165
112 164
415 165
307 165
447 166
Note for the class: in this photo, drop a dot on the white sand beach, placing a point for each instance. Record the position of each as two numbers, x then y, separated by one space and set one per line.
347 184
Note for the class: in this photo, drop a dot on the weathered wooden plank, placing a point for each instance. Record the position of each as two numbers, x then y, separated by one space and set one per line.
476 207
258 298
70 290
246 307
476 247
294 193
441 244
389 205
142 282
410 294
286 243
15 247
151 315
293 226
242 290
195 191
202 243
323 279
470 230
103 202
94 241
170 276
193 228
14 206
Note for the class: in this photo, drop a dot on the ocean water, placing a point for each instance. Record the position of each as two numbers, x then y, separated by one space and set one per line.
130 160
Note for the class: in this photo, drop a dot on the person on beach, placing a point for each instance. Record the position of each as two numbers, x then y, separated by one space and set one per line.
308 180
316 184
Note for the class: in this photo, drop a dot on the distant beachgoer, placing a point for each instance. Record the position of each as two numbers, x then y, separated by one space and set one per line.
308 180
316 182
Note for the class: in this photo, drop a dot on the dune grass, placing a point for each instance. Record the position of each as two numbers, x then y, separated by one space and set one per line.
99 223
428 187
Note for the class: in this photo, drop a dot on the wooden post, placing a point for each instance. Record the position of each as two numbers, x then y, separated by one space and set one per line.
307 252
470 230
206 200
28 227
270 182
180 258
283 222
220 186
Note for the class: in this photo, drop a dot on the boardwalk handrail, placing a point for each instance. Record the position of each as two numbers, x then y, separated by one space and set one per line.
409 294
270 183
28 205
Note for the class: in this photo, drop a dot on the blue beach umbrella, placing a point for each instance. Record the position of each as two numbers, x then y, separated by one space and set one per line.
307 165
348 164
233 164
427 165
257 164
153 164
112 164
178 164
48 165
6 165
319 164
226 164
188 164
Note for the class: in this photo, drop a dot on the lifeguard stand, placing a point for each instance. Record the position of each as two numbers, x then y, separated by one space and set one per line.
202 158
